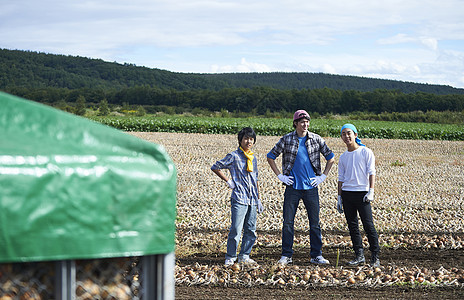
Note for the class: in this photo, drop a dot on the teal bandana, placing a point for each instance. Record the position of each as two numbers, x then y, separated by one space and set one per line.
352 127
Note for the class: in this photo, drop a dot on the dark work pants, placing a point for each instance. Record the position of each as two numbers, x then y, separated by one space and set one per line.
352 205
311 202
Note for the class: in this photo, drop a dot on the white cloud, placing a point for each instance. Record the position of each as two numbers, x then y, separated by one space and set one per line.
328 68
401 38
397 39
406 40
244 66
429 42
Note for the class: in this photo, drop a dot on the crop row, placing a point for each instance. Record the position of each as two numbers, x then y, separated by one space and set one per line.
276 127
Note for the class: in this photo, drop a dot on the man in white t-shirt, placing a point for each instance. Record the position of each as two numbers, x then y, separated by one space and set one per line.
356 180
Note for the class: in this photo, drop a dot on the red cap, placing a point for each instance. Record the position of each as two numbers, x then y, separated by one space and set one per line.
301 114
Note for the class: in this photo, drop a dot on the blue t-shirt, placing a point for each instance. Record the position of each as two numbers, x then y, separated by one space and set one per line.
302 169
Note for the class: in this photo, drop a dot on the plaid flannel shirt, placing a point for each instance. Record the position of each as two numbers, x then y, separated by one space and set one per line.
288 145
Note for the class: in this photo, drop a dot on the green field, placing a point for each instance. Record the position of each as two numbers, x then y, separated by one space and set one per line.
277 127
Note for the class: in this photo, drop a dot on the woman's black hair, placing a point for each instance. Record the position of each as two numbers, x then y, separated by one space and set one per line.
246 132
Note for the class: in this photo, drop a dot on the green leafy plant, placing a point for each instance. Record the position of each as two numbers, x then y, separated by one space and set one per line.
398 163
276 127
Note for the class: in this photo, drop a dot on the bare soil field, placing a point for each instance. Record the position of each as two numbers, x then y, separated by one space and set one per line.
418 211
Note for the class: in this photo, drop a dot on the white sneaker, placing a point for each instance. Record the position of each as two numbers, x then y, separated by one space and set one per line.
229 262
284 260
319 260
246 260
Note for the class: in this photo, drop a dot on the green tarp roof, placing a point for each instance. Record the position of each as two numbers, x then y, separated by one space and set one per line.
73 189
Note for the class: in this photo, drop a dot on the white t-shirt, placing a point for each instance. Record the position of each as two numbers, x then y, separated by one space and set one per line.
354 169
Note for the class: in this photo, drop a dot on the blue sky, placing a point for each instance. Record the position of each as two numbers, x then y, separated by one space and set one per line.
415 40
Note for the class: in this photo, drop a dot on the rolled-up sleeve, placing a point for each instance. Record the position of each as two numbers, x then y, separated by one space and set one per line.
325 150
271 155
277 150
224 163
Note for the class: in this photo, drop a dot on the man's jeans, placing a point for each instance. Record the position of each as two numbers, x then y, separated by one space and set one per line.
311 201
243 217
352 205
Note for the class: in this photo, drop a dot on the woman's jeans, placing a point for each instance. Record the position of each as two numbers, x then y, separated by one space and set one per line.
352 204
311 202
243 217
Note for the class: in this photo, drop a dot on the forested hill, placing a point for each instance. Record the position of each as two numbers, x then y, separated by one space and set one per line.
39 70
27 69
298 81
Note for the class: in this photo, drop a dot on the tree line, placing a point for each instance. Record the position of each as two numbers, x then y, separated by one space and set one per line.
259 99
60 80
41 70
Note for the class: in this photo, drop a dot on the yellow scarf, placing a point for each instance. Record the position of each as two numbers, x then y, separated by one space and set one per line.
249 156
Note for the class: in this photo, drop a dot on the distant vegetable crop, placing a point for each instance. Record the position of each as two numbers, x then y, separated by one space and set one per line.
276 127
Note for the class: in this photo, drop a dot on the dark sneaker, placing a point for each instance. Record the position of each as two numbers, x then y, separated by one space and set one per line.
375 261
359 260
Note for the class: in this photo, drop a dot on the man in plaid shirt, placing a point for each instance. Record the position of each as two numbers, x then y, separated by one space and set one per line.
301 173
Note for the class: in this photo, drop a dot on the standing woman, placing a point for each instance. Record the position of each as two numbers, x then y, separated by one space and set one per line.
356 180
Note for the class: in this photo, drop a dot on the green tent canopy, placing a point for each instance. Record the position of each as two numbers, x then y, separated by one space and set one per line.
74 189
